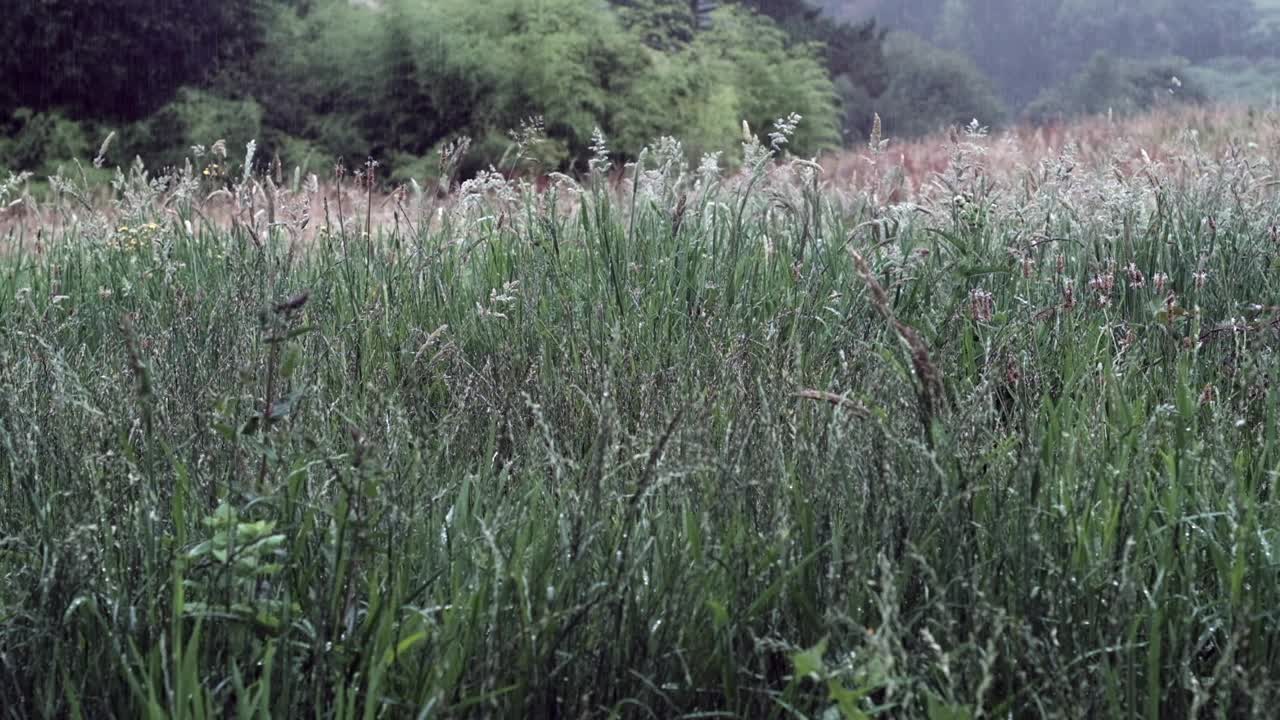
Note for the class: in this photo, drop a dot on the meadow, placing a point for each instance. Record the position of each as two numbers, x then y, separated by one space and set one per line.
975 427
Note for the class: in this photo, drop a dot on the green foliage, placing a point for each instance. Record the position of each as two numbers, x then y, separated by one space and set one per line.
1193 29
1008 39
1238 80
39 142
320 76
773 77
662 24
451 68
852 52
931 89
1028 47
193 117
119 59
398 80
1118 86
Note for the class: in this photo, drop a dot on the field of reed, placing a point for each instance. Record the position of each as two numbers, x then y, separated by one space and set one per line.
980 427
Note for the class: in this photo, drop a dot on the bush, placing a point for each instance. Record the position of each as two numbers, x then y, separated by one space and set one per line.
1117 85
743 67
853 53
772 78
194 117
930 89
120 59
321 77
39 142
398 82
398 79
1240 80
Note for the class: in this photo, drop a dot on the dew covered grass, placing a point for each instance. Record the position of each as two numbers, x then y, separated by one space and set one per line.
688 443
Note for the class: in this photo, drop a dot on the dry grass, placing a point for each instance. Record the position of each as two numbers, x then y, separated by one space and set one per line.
908 171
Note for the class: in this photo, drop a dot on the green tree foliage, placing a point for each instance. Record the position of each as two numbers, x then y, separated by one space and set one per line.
1121 86
771 77
321 75
1007 40
455 67
1027 47
662 24
193 117
1192 29
119 59
38 141
397 79
917 16
853 54
931 89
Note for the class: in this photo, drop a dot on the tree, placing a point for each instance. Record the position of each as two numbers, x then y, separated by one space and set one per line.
852 52
1108 84
120 59
931 89
663 24
1009 40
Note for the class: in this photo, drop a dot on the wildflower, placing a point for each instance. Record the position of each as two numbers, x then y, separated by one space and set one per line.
599 161
508 295
485 312
1068 294
1103 284
982 305
1201 278
876 141
709 167
1209 395
1160 281
1136 278
1012 373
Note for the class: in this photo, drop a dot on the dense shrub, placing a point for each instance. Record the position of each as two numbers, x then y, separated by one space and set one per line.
772 78
931 88
193 117
120 59
1240 80
40 141
1026 47
853 53
320 76
1118 86
662 24
456 67
398 79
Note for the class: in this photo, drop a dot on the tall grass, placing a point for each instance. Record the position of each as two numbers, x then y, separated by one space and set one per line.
692 445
